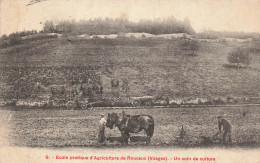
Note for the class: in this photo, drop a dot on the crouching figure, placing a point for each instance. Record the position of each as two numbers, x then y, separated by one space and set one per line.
226 128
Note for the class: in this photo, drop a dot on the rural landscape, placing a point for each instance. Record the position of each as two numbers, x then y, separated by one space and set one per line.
55 83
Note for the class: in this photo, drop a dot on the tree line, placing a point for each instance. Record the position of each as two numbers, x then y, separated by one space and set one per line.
14 38
100 26
226 34
18 38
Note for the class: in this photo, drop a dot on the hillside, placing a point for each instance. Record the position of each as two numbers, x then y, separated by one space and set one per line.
156 67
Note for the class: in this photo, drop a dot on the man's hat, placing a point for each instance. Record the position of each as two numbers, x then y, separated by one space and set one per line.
219 117
102 115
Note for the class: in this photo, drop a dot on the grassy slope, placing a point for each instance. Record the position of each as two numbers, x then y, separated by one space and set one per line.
152 67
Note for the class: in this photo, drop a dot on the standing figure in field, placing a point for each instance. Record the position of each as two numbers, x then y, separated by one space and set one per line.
102 125
226 128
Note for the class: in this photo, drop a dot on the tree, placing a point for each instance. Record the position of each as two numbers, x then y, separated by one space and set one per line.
4 37
239 56
48 27
15 39
187 26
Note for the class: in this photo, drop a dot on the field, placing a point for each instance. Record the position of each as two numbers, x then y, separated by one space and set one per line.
44 69
156 67
79 128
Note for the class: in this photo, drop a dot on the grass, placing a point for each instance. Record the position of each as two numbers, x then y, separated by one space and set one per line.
62 128
150 66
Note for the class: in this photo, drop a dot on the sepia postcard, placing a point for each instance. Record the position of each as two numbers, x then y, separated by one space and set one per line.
130 81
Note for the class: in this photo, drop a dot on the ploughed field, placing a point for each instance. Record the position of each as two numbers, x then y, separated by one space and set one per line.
156 67
65 128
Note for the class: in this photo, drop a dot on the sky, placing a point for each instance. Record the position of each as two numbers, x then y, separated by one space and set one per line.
219 15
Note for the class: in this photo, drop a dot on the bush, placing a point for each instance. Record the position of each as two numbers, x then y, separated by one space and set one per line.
114 82
239 56
4 37
14 40
190 45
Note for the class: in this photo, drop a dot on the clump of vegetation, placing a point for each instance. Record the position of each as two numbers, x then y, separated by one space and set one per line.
239 57
190 46
14 38
19 38
224 34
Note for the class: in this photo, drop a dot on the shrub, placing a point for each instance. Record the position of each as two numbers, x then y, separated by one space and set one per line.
14 39
4 37
4 44
114 82
48 27
239 56
190 45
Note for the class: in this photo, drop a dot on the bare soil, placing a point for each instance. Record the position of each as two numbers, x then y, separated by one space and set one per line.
79 128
